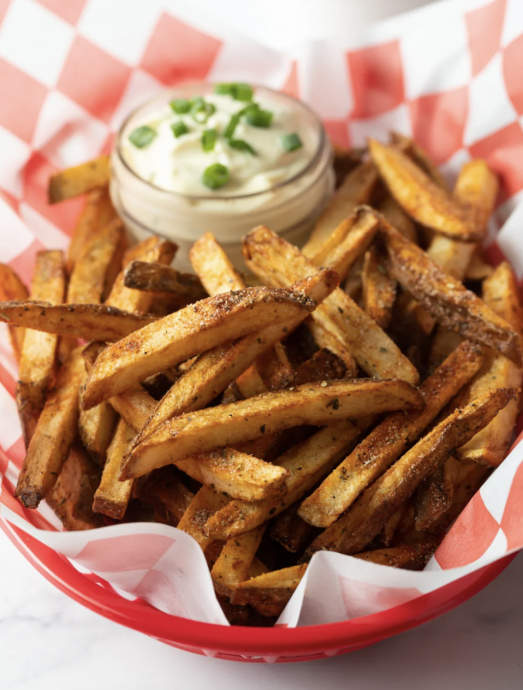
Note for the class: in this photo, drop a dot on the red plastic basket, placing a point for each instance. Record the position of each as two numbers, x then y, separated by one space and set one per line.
258 645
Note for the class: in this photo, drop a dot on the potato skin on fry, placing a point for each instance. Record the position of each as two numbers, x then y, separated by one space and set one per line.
81 179
155 277
269 593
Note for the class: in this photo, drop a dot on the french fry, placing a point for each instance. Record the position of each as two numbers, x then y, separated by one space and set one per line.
11 287
323 366
345 160
235 474
347 242
478 268
333 341
313 403
276 262
379 290
293 533
307 463
97 212
490 446
355 189
397 217
190 331
72 496
86 321
445 298
164 489
53 436
203 506
274 369
443 344
384 445
419 196
154 277
235 561
96 428
81 179
355 529
97 265
434 495
112 496
407 556
38 354
420 157
136 406
270 593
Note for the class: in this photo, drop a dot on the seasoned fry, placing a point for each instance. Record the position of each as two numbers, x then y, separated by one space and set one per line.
274 369
235 474
445 298
112 496
72 496
269 593
490 446
136 406
434 495
164 490
86 321
333 341
323 366
235 560
278 263
313 403
407 556
478 268
345 160
419 196
355 189
203 506
190 331
379 290
213 266
354 530
420 157
307 463
96 428
476 189
154 277
397 217
38 355
97 212
11 287
97 265
53 436
293 533
79 180
384 445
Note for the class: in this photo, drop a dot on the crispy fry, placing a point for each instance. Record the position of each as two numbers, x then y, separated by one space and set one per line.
490 446
96 428
354 530
419 196
154 277
313 403
203 506
445 298
97 212
136 406
376 453
420 157
79 180
323 366
434 495
72 496
270 593
444 343
190 331
355 189
214 267
345 160
396 216
38 355
164 489
477 188
234 563
333 341
97 265
293 533
278 263
379 290
408 556
307 463
86 321
112 496
11 287
478 268
53 436
235 474
274 368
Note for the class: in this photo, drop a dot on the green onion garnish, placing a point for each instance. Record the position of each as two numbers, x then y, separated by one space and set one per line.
231 126
209 138
180 106
291 142
142 136
257 117
241 145
215 176
238 91
179 128
202 111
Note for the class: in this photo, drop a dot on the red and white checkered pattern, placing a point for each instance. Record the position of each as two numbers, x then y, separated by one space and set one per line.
70 70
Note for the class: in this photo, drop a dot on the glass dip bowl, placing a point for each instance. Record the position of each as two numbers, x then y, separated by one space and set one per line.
289 206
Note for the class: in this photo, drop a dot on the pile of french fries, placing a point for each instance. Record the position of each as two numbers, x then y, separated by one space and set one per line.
354 400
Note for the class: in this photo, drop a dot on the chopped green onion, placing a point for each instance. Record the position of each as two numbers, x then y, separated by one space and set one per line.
179 128
209 138
241 145
238 91
180 106
231 126
291 142
215 176
202 111
142 136
257 117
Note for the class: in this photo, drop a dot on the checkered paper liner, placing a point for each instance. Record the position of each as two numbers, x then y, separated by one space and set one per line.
70 70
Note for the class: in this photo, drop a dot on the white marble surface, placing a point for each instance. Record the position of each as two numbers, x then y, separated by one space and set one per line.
48 641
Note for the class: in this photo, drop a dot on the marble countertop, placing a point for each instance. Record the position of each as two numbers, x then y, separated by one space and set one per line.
48 641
